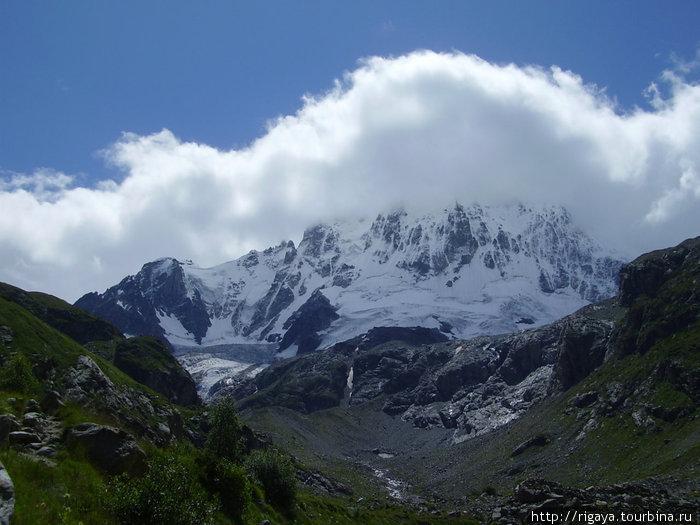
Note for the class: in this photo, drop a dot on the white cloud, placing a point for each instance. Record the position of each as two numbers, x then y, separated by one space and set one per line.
424 129
45 184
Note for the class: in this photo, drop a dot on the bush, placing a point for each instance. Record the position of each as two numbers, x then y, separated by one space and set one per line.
17 376
275 473
225 437
230 483
169 494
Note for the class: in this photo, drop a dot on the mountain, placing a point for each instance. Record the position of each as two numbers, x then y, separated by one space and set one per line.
465 271
606 395
595 412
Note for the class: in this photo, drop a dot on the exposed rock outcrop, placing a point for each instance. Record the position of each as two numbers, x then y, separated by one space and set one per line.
111 450
303 325
87 384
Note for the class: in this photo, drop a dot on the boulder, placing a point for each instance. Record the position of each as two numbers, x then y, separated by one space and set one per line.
8 423
109 449
21 437
86 379
51 402
537 441
7 497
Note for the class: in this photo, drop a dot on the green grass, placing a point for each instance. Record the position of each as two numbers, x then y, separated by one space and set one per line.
74 322
314 509
34 338
146 353
68 493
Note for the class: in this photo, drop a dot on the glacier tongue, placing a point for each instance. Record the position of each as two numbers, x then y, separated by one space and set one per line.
466 271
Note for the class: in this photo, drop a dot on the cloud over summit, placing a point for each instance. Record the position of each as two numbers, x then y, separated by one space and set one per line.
424 129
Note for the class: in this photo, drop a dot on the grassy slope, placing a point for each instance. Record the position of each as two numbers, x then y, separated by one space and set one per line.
66 318
68 489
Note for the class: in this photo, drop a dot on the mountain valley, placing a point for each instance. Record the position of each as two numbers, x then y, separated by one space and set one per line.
596 410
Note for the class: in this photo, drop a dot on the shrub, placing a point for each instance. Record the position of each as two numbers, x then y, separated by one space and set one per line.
225 437
169 494
17 375
275 473
230 483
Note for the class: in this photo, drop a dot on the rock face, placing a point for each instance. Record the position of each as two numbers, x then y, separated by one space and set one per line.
477 385
7 497
646 274
472 386
86 384
304 325
160 283
668 277
112 450
466 270
318 380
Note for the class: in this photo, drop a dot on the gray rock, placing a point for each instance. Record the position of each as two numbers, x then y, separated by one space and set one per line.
47 451
86 384
584 399
33 420
7 497
5 334
537 441
86 379
51 402
20 437
8 423
109 449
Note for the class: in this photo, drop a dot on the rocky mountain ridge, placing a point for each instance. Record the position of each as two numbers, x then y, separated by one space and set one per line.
607 394
474 386
466 271
470 386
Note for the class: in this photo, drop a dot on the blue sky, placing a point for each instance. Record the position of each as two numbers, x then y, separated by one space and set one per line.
135 130
78 74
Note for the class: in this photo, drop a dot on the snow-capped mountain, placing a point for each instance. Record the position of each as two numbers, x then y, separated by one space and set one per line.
465 271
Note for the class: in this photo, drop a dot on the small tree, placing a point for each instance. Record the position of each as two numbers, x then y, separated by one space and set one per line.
169 494
225 437
275 473
229 482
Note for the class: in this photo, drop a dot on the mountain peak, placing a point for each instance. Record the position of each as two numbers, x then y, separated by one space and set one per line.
469 270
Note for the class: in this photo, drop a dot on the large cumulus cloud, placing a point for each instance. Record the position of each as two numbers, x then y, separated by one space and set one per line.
424 130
